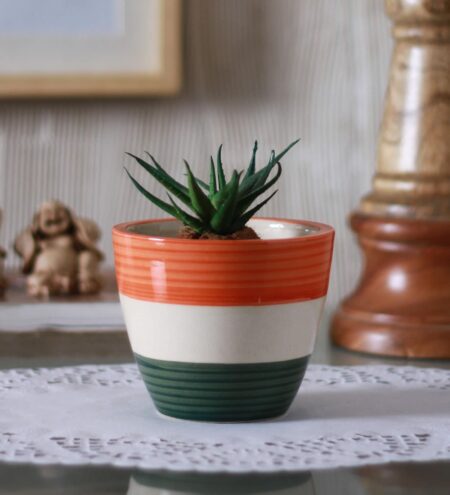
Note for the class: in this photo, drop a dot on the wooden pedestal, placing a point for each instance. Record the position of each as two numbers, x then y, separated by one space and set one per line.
401 306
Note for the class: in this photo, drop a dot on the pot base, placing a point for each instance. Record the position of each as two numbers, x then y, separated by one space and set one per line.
222 392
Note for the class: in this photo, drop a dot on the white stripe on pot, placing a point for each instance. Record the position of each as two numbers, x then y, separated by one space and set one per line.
222 334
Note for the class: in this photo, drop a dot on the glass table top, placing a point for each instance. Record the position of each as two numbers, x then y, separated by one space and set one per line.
395 478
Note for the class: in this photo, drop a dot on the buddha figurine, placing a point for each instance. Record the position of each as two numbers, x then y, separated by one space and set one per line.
59 252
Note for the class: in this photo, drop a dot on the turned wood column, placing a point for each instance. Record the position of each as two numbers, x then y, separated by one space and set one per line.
401 306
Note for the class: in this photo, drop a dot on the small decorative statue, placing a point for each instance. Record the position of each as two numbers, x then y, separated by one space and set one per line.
59 252
2 257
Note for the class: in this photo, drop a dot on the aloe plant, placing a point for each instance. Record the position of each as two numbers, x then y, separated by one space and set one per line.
220 207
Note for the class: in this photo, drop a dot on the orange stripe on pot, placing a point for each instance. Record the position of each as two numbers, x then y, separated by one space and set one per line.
218 273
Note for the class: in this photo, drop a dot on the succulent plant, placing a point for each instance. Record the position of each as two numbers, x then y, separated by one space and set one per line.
219 207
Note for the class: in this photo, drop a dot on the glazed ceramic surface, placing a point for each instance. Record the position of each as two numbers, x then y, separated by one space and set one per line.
222 330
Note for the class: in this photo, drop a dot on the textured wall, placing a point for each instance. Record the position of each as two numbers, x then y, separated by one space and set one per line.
266 69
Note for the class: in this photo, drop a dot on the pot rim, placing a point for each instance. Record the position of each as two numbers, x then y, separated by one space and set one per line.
323 230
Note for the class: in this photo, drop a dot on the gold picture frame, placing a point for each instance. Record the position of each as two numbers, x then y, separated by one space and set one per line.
167 81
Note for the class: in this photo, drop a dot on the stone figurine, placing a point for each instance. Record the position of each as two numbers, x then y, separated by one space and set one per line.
2 257
59 252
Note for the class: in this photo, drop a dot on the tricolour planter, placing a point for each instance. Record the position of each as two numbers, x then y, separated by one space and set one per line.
223 330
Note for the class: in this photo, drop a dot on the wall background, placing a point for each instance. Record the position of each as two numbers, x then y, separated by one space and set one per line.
265 69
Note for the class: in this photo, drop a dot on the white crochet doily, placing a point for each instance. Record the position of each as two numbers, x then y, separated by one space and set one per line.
343 416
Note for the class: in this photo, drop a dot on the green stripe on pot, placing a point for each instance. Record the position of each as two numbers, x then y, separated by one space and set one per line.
222 392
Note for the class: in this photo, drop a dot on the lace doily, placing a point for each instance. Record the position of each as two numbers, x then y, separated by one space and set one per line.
343 416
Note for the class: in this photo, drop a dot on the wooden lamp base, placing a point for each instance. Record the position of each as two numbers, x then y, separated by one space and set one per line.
401 306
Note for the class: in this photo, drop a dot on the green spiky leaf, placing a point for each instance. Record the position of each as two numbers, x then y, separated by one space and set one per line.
259 178
265 172
220 173
256 179
212 179
251 168
199 200
240 223
155 200
225 214
247 200
278 157
185 218
221 196
165 179
201 183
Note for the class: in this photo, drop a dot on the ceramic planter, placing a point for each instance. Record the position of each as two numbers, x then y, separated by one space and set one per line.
223 330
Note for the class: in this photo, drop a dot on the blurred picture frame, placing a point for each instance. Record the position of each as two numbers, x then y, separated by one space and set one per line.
89 48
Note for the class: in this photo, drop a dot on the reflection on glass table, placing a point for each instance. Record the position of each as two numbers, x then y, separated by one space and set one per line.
395 479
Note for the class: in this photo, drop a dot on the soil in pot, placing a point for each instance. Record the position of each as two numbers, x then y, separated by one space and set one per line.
244 234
